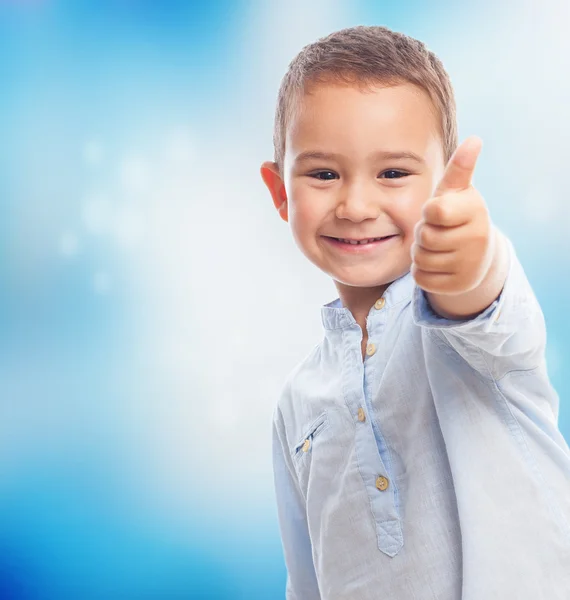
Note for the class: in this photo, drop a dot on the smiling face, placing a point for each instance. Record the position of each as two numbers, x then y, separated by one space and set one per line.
358 166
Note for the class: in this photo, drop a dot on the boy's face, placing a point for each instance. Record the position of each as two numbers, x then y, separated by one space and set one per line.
358 165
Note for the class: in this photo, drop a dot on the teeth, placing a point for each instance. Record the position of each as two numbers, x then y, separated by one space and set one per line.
361 242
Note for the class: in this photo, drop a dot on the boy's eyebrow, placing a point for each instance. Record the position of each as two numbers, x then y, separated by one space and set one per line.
380 154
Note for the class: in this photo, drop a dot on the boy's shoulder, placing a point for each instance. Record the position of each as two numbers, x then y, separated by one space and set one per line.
296 377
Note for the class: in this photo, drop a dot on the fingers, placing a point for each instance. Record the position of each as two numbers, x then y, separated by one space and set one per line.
440 283
437 238
450 210
433 262
461 166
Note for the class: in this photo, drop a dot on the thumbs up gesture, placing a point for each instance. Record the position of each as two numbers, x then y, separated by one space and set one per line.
455 245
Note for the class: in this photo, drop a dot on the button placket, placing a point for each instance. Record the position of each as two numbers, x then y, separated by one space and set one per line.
380 490
371 346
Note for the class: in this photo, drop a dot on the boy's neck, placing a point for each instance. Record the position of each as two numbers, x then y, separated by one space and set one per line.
359 300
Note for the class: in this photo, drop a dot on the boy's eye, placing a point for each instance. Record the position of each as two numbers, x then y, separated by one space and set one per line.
323 175
330 175
394 174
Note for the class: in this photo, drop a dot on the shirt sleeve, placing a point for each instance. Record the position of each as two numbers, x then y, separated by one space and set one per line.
509 335
301 577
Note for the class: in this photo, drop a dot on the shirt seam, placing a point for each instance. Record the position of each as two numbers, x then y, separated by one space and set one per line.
441 340
440 336
526 372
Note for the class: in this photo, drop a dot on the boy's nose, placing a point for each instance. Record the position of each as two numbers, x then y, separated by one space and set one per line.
358 205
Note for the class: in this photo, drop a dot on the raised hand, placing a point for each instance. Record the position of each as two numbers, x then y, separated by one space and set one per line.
454 241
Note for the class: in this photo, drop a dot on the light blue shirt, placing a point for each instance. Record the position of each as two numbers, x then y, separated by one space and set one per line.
433 469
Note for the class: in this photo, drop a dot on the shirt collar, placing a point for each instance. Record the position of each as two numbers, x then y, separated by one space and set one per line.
335 316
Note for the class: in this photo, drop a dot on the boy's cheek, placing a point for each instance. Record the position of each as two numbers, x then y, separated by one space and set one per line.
297 218
304 206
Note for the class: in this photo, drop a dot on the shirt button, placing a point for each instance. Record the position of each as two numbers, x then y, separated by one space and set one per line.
306 445
379 304
361 415
370 349
382 483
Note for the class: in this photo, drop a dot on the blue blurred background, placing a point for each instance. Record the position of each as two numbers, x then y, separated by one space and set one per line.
151 301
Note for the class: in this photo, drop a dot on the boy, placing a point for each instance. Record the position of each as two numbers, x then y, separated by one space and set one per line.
416 449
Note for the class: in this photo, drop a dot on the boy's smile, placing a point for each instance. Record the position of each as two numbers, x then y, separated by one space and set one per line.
359 246
359 165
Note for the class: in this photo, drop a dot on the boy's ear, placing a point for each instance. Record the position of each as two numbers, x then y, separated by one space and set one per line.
272 179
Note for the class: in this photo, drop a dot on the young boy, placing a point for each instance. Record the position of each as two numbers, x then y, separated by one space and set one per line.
416 449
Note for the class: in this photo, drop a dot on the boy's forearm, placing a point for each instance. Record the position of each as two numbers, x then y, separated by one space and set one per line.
470 304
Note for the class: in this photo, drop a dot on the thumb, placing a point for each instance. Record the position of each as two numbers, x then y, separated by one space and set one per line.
459 171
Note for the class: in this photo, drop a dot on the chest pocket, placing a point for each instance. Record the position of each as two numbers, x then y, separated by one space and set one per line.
304 450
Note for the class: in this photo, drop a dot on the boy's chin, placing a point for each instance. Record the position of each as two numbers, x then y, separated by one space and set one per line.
366 280
363 284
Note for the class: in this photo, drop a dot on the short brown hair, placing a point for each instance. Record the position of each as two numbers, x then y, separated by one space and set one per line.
366 55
